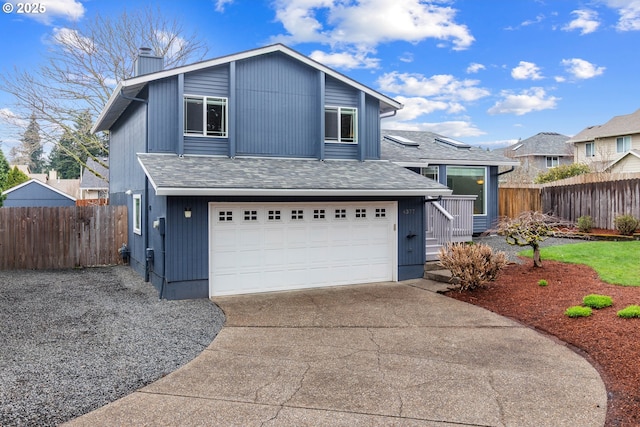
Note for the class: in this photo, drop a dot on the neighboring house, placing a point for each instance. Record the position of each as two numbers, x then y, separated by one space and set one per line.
538 154
470 172
92 186
70 187
605 146
260 171
36 193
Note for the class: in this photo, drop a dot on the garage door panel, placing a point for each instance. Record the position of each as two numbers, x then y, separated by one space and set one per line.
278 246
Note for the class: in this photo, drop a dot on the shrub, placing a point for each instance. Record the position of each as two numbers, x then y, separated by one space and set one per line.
597 301
585 224
629 312
473 266
626 224
562 172
542 282
578 311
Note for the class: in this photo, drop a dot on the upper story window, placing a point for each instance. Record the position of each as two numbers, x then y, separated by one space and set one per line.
589 149
205 116
623 144
552 161
430 172
340 124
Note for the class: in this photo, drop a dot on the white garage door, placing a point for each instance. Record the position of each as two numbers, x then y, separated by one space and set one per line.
279 246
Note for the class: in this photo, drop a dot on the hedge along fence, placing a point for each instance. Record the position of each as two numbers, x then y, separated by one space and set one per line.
602 196
40 238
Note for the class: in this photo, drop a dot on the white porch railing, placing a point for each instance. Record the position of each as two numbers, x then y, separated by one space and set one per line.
448 220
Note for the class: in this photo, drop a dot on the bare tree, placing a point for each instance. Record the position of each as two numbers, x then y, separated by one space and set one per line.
86 62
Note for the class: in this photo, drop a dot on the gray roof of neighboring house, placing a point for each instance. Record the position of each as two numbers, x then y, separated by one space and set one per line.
89 181
432 148
541 144
206 175
619 125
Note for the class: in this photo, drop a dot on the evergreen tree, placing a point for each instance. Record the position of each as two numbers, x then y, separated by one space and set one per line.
4 174
30 151
16 177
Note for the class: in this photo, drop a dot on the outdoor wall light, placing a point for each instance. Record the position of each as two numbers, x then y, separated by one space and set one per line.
480 181
187 212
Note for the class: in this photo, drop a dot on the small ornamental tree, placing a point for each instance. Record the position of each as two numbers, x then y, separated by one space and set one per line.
529 229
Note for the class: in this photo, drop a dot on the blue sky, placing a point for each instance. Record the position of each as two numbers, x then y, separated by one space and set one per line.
485 72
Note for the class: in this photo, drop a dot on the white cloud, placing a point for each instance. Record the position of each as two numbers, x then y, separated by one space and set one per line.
345 60
72 39
220 5
474 67
10 117
169 43
629 11
442 87
586 21
408 20
581 69
453 129
527 101
526 71
415 107
70 10
406 57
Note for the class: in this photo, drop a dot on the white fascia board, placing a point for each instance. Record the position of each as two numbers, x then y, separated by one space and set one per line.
412 164
174 191
147 174
103 113
38 182
463 162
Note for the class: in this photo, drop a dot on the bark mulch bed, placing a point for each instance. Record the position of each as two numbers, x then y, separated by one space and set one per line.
610 343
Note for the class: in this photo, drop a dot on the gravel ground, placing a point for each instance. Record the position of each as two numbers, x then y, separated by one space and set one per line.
72 341
498 243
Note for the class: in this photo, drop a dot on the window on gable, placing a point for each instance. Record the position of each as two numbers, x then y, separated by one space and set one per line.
589 150
340 124
623 144
137 214
205 116
430 172
552 161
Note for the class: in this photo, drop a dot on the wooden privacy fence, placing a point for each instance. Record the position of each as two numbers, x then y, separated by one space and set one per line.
42 238
601 196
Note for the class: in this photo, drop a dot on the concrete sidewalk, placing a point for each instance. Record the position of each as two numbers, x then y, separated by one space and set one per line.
388 354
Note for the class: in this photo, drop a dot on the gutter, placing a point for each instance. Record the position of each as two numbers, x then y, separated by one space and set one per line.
507 171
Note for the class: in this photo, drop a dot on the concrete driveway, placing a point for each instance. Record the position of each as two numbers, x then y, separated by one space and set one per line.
388 354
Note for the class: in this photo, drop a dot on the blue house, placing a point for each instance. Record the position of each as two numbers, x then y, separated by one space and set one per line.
36 193
260 171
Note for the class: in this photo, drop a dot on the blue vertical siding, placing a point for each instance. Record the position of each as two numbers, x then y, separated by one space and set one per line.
36 194
276 107
163 113
411 238
372 131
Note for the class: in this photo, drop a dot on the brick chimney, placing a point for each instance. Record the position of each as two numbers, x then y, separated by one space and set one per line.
147 63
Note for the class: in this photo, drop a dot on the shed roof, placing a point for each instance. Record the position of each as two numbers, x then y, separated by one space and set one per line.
432 148
171 175
117 104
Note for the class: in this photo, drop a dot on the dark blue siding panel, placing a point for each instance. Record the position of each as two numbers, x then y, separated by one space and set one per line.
209 82
163 116
340 151
411 238
34 194
204 145
277 113
340 94
187 239
372 131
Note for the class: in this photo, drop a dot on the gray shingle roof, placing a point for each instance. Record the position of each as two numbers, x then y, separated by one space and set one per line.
541 144
617 126
431 151
90 181
205 175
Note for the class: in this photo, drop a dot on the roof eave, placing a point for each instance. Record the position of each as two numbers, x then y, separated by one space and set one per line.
177 191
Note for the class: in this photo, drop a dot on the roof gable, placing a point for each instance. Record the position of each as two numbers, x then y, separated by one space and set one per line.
34 181
541 144
117 104
618 126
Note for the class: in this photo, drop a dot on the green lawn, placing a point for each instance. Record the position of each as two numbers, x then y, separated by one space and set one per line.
615 262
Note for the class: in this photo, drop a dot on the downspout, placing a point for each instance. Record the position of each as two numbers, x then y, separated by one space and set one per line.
146 182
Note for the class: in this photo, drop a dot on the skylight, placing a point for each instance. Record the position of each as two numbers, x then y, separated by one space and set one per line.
452 142
401 140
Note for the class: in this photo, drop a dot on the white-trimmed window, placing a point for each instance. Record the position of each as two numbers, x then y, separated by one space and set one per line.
552 161
341 124
205 116
137 214
472 181
430 172
589 149
623 144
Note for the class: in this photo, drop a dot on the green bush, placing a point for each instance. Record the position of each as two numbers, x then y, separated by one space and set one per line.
473 266
597 301
629 312
562 172
542 282
585 224
578 311
626 224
